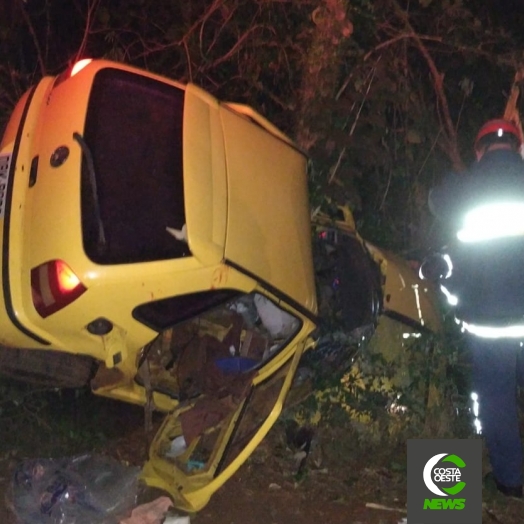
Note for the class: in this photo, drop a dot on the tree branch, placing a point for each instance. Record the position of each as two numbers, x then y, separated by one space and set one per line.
212 8
400 37
438 85
91 12
237 45
31 28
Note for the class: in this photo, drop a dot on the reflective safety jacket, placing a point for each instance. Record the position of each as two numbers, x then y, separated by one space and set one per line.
485 208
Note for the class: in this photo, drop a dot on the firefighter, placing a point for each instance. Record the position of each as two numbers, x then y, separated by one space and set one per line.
484 281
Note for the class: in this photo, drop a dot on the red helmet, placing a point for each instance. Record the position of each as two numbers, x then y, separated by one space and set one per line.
498 132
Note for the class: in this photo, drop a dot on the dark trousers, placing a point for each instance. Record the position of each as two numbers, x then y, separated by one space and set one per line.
497 371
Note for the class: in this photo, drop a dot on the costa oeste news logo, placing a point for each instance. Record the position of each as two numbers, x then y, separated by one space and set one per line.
435 476
445 481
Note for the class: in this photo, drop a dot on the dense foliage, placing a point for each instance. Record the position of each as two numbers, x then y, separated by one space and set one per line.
384 95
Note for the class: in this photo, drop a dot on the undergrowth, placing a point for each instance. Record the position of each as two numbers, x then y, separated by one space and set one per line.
403 385
59 422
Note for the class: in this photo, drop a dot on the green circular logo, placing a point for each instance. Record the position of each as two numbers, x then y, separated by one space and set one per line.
444 474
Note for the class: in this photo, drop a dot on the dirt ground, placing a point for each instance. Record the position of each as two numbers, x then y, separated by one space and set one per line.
343 481
347 489
266 491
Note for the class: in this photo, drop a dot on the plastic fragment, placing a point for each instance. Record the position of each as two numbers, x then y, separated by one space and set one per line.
176 519
150 513
85 489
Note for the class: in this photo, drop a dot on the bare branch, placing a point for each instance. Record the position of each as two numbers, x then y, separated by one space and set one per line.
91 12
334 169
288 106
237 46
354 125
217 33
189 66
212 8
32 31
402 36
438 85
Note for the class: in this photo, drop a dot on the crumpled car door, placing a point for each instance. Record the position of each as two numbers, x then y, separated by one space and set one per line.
230 370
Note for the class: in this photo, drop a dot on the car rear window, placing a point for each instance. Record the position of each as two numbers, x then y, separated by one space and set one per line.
133 131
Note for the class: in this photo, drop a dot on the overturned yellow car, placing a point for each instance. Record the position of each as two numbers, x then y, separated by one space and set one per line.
156 243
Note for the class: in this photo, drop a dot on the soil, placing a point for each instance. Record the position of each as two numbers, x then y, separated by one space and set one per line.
344 480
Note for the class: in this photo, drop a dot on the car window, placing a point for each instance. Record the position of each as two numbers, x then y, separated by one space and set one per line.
133 132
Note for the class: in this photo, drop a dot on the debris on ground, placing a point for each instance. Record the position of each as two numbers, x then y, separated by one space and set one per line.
373 505
85 489
152 513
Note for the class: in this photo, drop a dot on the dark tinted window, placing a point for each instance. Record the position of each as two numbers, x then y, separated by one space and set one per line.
162 314
134 132
348 281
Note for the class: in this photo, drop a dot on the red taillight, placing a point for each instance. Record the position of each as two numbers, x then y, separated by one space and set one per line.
54 286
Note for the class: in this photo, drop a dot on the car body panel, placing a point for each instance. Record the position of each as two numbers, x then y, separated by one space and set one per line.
20 145
406 297
278 224
206 188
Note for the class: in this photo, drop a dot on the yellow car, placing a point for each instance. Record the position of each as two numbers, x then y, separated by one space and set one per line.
156 243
